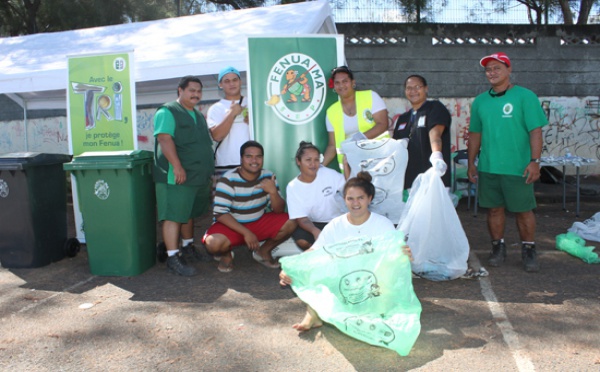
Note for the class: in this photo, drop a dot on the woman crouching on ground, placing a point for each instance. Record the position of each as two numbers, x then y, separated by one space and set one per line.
359 221
311 195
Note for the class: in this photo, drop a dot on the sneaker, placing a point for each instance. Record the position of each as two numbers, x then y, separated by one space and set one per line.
177 265
529 256
498 254
193 254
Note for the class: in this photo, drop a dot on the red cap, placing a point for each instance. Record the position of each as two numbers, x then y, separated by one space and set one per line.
500 57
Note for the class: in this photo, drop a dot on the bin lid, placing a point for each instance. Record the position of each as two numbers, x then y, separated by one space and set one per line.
109 159
22 160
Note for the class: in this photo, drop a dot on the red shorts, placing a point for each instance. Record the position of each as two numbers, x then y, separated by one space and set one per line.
265 228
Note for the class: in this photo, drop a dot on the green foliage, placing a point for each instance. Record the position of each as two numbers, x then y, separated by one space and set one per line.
58 15
414 9
148 10
18 16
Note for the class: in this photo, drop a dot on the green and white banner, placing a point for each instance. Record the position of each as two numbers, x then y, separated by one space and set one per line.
101 103
288 80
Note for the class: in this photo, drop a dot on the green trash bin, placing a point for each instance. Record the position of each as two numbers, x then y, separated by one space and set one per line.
33 210
118 207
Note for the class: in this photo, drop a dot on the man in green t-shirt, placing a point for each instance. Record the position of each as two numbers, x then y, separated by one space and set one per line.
183 166
505 131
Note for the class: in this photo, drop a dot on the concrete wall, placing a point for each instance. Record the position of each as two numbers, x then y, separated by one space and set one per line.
550 60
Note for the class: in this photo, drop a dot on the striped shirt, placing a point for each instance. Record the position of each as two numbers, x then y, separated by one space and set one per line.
244 200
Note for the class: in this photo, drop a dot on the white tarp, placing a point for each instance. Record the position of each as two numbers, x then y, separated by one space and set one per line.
33 68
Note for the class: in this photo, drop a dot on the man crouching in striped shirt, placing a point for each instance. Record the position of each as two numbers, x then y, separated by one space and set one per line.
242 197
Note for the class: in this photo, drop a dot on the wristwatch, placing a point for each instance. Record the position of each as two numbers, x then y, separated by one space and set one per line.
537 160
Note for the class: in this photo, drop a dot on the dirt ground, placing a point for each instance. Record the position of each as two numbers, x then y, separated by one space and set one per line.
62 318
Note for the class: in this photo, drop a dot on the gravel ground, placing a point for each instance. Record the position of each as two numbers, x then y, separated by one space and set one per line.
62 318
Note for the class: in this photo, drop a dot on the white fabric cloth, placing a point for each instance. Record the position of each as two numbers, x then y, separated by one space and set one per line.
340 229
315 200
228 151
351 122
588 229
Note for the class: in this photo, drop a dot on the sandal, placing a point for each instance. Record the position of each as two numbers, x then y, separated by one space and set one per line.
271 265
225 268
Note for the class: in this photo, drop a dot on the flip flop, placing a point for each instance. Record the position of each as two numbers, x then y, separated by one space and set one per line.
225 268
264 262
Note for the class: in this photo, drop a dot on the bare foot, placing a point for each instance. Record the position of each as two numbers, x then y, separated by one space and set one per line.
311 320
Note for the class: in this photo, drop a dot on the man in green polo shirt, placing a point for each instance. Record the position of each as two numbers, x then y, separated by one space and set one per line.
183 166
506 131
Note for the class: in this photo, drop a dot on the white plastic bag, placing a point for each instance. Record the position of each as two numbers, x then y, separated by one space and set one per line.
433 231
588 229
386 161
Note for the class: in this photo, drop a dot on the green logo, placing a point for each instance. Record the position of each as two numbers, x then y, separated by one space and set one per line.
296 88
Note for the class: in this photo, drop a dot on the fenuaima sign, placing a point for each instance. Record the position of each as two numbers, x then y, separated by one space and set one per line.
289 94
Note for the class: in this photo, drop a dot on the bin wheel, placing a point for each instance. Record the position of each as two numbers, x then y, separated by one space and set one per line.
161 252
72 247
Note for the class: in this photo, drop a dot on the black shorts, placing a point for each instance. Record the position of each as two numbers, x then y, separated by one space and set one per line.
301 234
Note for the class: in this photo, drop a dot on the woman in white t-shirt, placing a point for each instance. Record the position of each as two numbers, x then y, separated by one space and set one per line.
311 195
359 221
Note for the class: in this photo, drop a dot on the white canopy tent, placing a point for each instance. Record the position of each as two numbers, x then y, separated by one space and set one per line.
33 68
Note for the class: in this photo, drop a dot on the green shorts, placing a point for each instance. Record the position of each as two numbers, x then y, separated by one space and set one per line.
504 191
180 203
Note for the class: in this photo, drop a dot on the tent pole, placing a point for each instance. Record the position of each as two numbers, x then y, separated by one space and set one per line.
25 126
23 103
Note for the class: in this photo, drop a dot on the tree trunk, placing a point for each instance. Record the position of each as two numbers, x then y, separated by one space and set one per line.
566 11
584 11
31 7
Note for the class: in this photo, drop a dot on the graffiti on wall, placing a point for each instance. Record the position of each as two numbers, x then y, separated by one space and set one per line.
48 135
43 135
572 128
145 128
574 124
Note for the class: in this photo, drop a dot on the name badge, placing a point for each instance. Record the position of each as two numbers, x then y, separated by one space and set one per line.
421 122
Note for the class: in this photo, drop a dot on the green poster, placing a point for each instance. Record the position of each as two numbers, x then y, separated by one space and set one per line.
101 103
288 80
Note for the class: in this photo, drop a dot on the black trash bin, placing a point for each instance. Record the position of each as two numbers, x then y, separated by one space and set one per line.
33 210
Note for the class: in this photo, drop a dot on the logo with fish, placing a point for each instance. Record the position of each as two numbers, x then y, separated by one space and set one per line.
296 88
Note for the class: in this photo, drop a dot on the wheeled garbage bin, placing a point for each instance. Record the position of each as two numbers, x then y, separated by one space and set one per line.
118 207
33 210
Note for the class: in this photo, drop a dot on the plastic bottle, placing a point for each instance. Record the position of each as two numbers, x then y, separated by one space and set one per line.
567 153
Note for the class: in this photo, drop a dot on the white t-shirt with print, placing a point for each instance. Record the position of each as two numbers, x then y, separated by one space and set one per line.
315 200
228 151
340 229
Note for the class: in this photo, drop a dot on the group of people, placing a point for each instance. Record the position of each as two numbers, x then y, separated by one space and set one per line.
504 150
